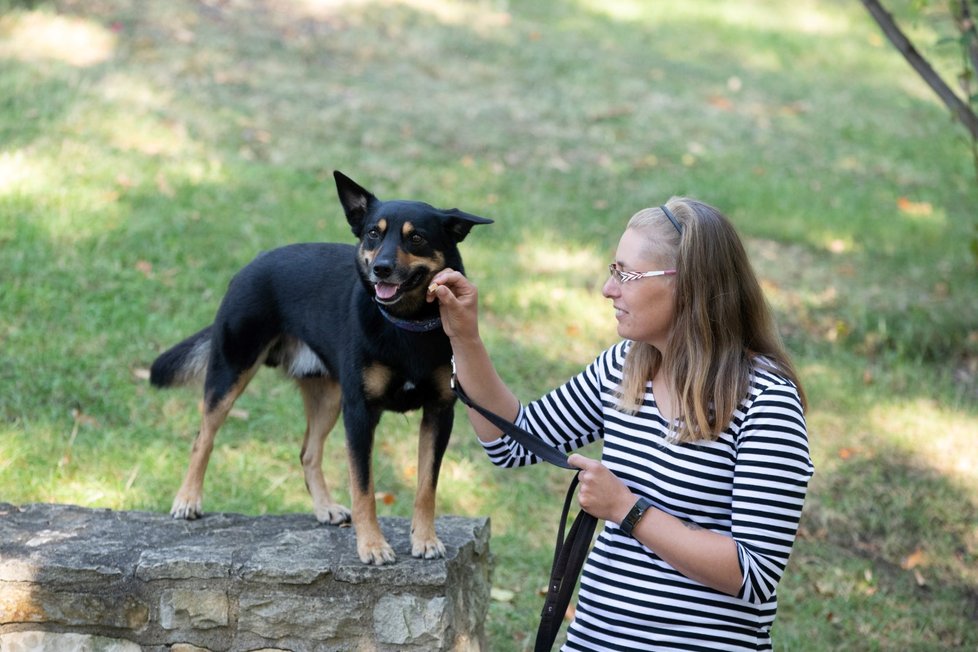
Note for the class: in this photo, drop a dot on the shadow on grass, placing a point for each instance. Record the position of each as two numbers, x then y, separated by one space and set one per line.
885 560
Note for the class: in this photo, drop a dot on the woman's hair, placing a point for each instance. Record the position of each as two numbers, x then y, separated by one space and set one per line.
722 328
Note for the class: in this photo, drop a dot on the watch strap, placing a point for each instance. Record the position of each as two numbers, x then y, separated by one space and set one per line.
634 515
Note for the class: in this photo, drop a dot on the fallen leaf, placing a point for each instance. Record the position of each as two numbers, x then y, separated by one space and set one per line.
140 373
720 102
910 207
385 497
501 595
238 413
919 578
914 559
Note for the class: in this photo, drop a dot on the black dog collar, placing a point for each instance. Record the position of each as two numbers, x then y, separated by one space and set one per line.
419 326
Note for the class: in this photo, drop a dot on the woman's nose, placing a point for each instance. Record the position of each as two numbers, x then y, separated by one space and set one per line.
610 289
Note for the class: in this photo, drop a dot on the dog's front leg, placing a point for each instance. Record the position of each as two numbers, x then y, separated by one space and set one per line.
436 429
360 422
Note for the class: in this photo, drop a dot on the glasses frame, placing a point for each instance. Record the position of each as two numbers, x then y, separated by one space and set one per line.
624 277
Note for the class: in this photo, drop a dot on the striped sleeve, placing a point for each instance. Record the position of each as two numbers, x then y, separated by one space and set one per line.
770 482
567 418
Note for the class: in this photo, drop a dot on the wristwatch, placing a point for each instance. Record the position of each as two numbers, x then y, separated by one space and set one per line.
632 518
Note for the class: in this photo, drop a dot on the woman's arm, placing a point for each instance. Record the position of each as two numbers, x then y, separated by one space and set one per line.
707 557
770 480
458 301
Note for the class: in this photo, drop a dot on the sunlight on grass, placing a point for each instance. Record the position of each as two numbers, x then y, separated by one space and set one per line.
90 490
942 437
39 36
16 170
803 17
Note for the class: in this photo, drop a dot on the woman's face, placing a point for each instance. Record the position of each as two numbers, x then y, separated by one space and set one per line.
644 307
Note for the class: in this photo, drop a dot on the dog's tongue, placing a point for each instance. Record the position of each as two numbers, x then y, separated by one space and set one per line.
385 290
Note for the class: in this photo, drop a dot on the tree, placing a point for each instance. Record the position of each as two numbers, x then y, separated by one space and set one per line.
962 108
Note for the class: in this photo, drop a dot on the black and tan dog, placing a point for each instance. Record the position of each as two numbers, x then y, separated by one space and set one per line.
351 325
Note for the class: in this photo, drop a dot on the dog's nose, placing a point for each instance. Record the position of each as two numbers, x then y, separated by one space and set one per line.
383 269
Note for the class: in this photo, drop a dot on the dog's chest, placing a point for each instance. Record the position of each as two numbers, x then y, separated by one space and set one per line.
398 391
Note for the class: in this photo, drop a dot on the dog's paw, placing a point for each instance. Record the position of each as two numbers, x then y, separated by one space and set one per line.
376 553
333 514
427 548
188 509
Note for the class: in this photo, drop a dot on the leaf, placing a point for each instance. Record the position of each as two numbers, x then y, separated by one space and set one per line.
501 595
914 559
914 208
720 102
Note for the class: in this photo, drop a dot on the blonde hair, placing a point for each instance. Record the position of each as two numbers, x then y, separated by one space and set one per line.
722 327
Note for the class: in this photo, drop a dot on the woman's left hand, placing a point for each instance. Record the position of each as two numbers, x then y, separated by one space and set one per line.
600 492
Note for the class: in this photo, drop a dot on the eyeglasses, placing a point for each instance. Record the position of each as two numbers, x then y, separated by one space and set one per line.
625 277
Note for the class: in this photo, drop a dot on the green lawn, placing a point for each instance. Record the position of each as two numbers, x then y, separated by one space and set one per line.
148 150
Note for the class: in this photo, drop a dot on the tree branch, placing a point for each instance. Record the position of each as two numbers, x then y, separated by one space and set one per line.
960 109
966 25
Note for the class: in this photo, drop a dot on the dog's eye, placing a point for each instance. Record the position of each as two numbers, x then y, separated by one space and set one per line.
373 233
416 239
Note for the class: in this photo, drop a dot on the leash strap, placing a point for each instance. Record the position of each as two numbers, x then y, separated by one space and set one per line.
529 441
570 550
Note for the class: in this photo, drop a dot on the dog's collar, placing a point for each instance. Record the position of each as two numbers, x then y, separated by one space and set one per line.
415 326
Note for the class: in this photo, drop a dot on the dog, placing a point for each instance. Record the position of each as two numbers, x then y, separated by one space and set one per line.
348 322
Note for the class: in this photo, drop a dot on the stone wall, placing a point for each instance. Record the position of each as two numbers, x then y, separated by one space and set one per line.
81 579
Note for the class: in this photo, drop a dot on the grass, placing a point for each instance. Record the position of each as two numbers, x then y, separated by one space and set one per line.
148 151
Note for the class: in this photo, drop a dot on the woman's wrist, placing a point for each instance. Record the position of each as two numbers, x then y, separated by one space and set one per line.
635 513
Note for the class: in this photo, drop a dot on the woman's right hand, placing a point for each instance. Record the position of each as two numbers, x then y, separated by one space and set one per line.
458 302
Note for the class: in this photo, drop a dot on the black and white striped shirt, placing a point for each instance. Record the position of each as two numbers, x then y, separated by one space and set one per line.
750 484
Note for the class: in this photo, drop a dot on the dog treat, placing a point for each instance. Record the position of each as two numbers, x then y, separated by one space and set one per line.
432 288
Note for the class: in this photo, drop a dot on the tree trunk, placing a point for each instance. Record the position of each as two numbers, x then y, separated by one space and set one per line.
960 109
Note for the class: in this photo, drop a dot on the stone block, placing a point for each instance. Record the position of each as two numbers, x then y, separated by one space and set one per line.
39 641
32 603
193 608
409 620
99 580
282 615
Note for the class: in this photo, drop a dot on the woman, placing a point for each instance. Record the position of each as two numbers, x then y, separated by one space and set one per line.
705 462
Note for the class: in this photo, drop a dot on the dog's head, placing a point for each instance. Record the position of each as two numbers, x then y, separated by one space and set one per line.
403 244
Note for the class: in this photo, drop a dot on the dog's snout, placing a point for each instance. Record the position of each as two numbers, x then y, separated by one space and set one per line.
383 268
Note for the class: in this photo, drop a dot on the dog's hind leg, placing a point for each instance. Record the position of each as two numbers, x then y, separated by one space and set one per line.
189 500
321 396
436 428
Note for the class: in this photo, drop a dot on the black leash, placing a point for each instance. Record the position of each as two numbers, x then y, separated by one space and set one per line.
570 551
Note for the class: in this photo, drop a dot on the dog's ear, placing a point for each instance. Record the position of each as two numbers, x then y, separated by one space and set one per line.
356 200
459 223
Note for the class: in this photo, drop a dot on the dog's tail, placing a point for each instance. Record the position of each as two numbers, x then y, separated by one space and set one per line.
184 363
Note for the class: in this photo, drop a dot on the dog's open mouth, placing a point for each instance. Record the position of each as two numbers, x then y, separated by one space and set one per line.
386 292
